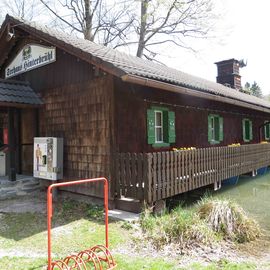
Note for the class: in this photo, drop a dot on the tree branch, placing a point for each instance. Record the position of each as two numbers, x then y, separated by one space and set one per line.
59 17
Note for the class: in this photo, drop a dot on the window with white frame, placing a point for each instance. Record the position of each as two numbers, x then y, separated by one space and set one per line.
159 126
215 129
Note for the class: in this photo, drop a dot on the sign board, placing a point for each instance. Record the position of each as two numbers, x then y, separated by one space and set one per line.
30 57
48 158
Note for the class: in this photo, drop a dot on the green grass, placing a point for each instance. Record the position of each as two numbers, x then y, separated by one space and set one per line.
15 263
73 231
123 263
221 265
28 232
127 263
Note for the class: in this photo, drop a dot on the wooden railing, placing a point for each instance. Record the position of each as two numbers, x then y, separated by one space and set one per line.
155 176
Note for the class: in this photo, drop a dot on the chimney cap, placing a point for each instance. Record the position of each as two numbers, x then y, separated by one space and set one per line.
227 61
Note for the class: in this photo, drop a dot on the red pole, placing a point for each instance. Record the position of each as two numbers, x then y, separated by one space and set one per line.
49 224
106 213
49 210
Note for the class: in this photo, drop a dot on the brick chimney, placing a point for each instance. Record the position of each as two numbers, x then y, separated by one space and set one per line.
228 73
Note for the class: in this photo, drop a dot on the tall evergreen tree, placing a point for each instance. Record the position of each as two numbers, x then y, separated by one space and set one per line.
253 89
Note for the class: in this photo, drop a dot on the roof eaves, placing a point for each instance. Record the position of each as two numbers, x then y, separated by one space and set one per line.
189 91
17 92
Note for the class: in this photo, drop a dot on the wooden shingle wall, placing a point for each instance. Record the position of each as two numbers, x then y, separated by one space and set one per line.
26 136
80 113
191 119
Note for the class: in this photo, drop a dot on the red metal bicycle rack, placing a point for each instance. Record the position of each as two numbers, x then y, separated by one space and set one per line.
95 258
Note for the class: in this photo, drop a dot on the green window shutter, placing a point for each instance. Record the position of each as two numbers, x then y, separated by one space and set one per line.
244 129
209 128
221 135
250 131
151 126
266 131
171 127
247 130
216 128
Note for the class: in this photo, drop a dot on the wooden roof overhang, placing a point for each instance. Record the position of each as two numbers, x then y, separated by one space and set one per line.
18 105
190 92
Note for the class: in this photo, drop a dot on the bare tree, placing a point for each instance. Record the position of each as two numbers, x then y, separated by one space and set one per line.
115 24
97 20
76 14
144 25
24 9
171 21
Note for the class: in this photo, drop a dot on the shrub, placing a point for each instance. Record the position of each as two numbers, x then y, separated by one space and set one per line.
126 225
68 205
95 212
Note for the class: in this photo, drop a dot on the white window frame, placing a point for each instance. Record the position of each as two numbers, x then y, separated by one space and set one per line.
159 127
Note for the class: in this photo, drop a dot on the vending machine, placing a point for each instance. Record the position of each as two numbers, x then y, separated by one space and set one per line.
48 158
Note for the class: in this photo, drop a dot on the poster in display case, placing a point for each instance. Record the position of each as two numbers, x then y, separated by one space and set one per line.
48 158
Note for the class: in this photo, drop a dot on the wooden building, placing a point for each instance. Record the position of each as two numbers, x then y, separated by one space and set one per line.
121 116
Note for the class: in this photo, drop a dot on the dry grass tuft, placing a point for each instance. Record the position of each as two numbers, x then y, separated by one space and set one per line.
228 219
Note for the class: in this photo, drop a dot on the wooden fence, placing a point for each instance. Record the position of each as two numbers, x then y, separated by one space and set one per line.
155 176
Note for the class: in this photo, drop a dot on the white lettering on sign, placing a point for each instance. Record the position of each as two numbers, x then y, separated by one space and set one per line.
30 57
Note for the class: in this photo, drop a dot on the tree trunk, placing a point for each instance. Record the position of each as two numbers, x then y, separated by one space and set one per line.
88 20
141 44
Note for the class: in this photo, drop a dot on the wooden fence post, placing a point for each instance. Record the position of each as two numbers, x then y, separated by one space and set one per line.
147 178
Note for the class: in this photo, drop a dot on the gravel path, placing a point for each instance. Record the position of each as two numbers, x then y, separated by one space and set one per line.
34 204
21 253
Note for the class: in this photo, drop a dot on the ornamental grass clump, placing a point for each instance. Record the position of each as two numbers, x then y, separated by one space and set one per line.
228 219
